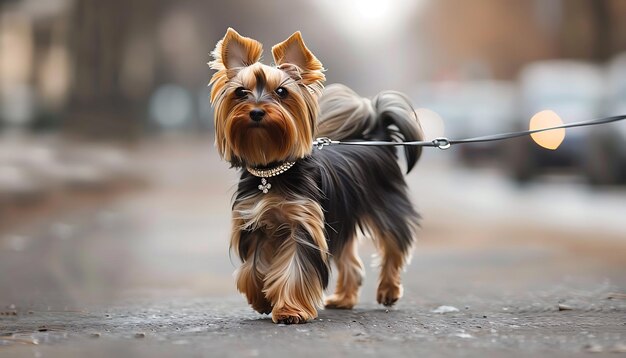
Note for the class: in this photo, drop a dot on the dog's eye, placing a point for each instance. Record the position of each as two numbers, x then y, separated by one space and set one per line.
241 92
281 92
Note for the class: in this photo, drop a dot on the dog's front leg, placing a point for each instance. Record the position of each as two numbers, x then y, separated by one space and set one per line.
296 279
299 269
253 251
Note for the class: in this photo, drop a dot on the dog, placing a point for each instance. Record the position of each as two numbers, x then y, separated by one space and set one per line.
297 207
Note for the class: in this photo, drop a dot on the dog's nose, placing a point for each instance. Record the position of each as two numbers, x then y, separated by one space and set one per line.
257 114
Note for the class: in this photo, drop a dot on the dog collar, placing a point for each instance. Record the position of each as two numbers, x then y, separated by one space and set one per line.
268 173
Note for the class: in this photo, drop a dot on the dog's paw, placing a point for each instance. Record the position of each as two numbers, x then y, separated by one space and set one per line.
288 319
388 294
336 301
290 316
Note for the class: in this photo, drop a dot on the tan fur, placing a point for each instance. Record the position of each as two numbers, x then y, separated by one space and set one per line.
249 278
248 50
290 122
294 51
350 276
392 262
293 289
389 282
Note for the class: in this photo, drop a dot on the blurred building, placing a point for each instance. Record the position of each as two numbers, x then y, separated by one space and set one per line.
119 69
494 39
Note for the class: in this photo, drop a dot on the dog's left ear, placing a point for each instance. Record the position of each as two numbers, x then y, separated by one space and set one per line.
294 51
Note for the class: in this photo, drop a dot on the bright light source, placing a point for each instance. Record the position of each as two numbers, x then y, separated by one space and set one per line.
549 139
372 10
368 19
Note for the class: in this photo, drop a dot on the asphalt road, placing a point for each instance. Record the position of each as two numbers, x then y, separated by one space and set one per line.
532 271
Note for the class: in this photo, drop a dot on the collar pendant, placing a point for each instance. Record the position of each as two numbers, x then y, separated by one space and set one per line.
268 173
265 186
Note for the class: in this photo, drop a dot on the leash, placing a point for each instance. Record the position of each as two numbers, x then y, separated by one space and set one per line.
444 143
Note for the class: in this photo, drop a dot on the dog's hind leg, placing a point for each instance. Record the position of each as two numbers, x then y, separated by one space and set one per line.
389 282
393 231
349 277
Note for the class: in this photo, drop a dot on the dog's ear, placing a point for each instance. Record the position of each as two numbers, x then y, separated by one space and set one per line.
293 51
234 52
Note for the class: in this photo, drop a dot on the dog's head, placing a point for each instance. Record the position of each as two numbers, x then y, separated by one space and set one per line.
264 114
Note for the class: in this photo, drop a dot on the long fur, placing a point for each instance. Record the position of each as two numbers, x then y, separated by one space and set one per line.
389 115
316 210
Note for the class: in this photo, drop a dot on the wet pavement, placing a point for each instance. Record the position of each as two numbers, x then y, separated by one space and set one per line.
530 271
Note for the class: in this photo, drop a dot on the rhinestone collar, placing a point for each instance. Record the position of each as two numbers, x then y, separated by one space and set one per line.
268 173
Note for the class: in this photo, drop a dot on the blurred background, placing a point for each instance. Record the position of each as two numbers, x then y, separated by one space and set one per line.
110 186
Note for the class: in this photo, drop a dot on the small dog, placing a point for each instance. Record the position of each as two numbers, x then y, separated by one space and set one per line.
297 207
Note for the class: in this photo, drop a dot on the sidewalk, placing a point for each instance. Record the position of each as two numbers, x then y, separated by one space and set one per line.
148 274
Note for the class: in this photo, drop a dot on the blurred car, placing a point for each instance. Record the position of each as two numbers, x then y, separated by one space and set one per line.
471 109
575 91
606 155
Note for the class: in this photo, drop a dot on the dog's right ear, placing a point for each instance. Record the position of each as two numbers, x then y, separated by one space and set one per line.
231 54
234 52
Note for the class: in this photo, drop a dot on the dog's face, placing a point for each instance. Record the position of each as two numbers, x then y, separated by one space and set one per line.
264 114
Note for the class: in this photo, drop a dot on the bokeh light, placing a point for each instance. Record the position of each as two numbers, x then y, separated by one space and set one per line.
551 139
171 106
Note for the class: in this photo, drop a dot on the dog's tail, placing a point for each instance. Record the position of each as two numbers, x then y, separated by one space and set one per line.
344 115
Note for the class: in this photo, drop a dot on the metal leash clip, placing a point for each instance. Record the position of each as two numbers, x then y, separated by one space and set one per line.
321 142
441 143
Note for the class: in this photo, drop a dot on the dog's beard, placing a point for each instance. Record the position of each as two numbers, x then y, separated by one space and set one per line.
261 143
284 134
287 93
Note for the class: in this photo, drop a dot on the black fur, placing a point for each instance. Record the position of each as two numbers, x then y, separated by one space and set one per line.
356 186
352 184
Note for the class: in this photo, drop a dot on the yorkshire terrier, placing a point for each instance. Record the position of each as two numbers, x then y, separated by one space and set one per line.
298 207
